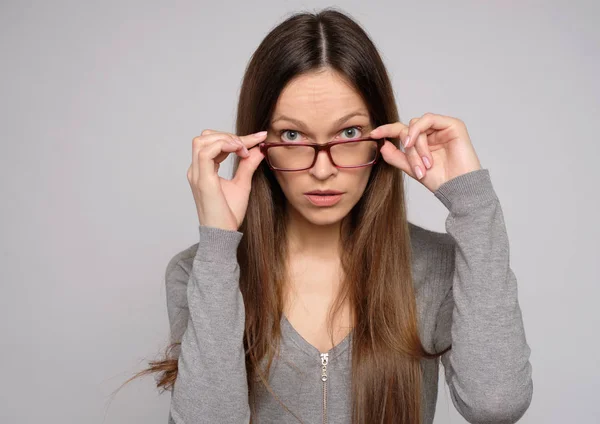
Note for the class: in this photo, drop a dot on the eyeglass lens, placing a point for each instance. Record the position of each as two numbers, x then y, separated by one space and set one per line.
345 154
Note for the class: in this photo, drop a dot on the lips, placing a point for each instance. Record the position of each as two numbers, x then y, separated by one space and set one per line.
324 192
324 199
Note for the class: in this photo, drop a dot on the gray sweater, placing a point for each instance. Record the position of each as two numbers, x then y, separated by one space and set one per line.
466 294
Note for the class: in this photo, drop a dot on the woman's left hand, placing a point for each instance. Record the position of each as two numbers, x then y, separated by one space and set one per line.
440 142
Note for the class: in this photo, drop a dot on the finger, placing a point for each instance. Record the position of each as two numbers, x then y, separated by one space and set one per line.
207 158
238 150
414 156
209 136
422 148
190 173
395 157
388 130
402 136
196 146
247 167
251 140
243 152
428 123
198 143
246 142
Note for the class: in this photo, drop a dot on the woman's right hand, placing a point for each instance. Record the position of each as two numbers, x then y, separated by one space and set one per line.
222 203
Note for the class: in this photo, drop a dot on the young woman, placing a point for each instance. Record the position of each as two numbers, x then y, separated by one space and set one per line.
309 296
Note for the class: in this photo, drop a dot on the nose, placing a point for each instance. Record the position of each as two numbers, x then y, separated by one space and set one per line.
323 166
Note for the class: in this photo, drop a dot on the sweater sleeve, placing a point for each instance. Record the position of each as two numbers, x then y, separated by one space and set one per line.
211 385
487 369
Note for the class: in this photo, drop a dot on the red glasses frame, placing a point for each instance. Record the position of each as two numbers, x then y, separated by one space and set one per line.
318 147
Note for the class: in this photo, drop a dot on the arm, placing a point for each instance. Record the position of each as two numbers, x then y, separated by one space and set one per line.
487 370
211 385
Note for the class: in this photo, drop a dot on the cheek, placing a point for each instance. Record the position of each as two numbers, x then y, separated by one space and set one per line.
282 180
289 185
358 178
359 183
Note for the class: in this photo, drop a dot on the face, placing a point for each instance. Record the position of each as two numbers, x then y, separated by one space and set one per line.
309 109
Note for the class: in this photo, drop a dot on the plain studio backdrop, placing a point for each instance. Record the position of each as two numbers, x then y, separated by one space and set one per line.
100 102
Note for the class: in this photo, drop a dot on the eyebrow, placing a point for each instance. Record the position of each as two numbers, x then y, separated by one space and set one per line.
305 127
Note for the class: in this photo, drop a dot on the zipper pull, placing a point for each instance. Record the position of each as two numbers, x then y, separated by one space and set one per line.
324 362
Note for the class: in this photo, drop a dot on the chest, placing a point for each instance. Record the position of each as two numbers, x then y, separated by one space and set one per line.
309 296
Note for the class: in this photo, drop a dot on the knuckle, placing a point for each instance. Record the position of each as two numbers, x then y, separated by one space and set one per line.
198 143
413 120
203 154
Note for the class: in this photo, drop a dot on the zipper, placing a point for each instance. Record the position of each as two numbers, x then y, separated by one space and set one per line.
324 362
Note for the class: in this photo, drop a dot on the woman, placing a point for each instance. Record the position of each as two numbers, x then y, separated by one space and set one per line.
297 307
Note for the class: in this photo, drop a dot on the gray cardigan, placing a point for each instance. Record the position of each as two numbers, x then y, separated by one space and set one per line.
466 294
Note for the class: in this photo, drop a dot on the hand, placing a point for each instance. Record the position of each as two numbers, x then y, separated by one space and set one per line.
443 141
222 203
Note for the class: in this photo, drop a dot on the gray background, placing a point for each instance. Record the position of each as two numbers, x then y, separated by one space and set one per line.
100 102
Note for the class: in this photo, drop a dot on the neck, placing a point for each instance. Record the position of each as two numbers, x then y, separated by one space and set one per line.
308 239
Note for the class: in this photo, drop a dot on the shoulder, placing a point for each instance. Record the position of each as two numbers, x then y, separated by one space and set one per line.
181 262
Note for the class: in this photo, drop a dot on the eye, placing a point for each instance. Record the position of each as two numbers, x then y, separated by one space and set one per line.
351 131
294 135
293 132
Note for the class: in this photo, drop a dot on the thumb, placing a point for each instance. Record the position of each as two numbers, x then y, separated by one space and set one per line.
247 167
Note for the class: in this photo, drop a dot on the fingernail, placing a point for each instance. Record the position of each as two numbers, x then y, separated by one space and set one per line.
418 172
406 141
260 134
246 150
426 162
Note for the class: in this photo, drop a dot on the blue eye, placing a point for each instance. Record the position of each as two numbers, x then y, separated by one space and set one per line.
291 131
298 133
352 128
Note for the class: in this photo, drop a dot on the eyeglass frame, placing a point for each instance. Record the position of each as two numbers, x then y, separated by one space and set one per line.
264 146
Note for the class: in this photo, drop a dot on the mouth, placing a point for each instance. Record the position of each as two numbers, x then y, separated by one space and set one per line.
326 199
324 193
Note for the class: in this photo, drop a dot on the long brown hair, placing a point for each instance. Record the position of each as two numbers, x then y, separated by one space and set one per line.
376 260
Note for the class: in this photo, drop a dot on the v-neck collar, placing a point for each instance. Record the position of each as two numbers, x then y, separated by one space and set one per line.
306 347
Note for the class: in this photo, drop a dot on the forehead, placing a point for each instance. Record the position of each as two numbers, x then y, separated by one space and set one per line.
319 97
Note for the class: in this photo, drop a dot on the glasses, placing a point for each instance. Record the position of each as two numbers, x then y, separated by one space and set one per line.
290 156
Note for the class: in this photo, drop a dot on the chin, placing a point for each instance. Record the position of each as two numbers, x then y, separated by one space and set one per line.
324 215
325 222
